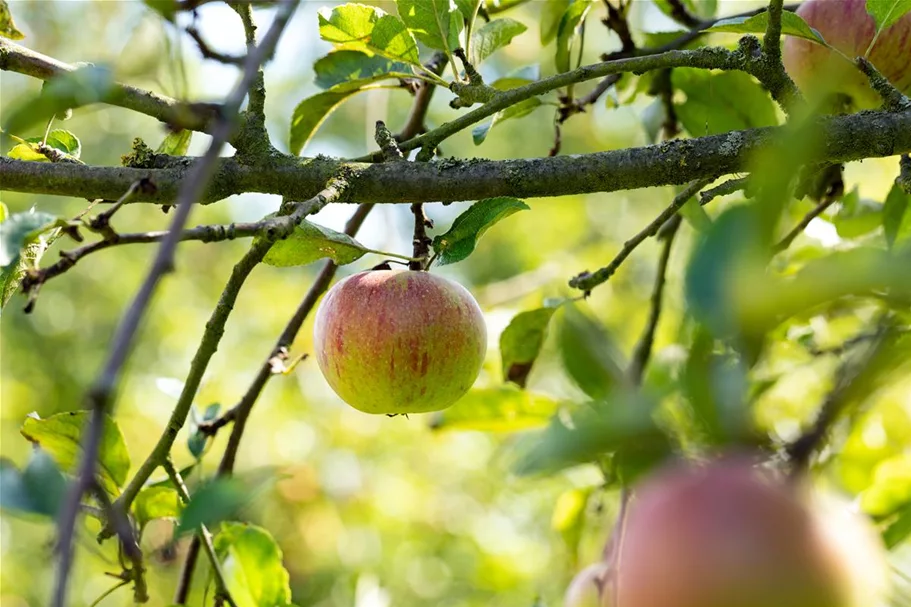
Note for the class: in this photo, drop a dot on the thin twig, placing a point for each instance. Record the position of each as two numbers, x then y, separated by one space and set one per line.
728 187
128 542
100 396
193 116
241 412
204 535
818 210
643 350
209 53
848 378
589 280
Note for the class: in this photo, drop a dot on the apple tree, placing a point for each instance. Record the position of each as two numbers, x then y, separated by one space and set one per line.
673 306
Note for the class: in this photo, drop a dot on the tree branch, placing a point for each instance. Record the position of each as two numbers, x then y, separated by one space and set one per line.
101 394
642 352
240 413
586 281
843 139
193 116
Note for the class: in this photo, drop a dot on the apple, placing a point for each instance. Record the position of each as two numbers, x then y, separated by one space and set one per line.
399 341
846 25
726 534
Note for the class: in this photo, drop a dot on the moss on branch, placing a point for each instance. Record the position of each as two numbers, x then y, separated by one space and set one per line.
842 139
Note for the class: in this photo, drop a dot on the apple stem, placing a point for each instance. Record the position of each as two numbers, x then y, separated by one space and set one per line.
395 255
421 241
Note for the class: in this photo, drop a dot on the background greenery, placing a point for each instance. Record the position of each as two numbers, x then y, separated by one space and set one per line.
374 511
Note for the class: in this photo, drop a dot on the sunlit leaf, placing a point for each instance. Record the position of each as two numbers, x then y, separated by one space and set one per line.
523 108
215 501
252 564
887 12
521 341
61 436
7 27
310 114
568 518
460 240
589 355
341 67
38 489
176 144
154 503
436 23
503 409
493 36
791 25
311 242
369 29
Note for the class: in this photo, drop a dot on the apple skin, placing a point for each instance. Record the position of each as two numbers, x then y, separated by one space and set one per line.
726 535
846 25
399 341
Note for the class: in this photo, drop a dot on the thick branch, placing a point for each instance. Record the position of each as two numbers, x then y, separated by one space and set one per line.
842 139
193 116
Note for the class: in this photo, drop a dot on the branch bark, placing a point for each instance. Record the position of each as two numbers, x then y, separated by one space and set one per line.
193 116
842 139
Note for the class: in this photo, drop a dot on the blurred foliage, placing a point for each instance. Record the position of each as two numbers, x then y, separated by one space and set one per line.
430 510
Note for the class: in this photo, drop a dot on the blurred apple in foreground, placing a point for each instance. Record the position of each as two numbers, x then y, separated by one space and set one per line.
846 25
399 341
728 535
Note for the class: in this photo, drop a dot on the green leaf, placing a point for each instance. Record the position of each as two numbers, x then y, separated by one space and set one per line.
39 489
310 114
899 529
621 426
369 29
7 27
436 23
176 144
310 242
156 502
458 243
859 218
896 219
566 31
84 86
523 108
19 230
4 212
468 8
27 152
61 435
521 341
551 14
502 409
215 501
694 214
341 67
720 103
196 441
252 563
589 355
791 25
493 36
517 78
886 12
64 141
